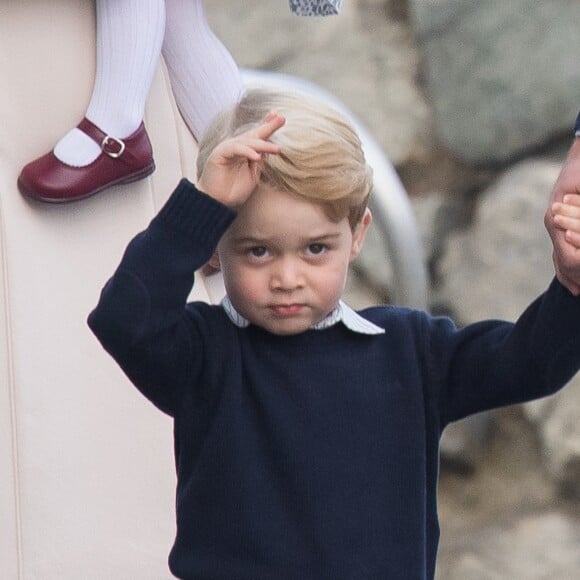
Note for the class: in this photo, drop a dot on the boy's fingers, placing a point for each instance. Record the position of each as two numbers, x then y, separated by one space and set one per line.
272 122
566 222
263 145
242 147
566 209
245 151
234 152
251 149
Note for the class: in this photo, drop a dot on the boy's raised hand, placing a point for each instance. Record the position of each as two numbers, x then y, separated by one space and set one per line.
233 168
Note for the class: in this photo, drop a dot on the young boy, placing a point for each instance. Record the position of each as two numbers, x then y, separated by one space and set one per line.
306 434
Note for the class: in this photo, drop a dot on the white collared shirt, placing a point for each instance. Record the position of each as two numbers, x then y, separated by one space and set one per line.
342 313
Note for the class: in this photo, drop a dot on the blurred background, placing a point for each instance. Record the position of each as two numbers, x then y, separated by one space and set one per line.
473 102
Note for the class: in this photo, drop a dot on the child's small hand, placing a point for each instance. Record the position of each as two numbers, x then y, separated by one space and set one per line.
566 255
233 169
567 217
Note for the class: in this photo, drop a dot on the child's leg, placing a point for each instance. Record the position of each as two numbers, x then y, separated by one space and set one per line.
129 38
110 146
204 76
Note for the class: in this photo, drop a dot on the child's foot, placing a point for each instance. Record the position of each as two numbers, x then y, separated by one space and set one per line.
99 161
77 149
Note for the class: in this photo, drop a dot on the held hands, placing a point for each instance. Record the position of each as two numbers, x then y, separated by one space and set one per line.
232 170
562 221
567 218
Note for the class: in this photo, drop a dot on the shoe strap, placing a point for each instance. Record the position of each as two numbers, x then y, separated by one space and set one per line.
111 146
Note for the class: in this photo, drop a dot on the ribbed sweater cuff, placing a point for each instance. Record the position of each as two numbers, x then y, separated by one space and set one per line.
194 215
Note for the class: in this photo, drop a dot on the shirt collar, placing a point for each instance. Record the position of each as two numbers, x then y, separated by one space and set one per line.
342 313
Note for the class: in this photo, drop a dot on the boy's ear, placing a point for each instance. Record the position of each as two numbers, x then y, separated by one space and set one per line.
214 261
212 266
359 234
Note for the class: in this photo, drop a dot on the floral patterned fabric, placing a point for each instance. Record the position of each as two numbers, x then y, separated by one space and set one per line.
315 7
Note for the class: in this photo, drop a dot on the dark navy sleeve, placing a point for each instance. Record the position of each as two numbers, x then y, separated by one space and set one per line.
141 318
494 363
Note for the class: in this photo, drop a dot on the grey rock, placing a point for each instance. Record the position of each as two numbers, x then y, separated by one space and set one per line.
493 270
502 76
500 264
557 421
364 57
373 263
462 442
533 547
428 209
438 216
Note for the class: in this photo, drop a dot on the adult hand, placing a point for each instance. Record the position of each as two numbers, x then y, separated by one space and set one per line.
233 168
566 255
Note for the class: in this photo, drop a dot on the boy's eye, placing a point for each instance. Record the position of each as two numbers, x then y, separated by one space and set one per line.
316 249
258 252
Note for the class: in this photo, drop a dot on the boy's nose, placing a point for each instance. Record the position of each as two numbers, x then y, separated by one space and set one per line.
286 276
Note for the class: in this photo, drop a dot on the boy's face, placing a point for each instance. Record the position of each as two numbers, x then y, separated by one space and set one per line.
285 262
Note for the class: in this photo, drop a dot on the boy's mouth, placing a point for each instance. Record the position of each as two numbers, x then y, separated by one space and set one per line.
284 310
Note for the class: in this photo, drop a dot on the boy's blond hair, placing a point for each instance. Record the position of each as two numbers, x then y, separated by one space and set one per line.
321 158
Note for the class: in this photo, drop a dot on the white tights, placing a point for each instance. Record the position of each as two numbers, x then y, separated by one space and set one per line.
130 37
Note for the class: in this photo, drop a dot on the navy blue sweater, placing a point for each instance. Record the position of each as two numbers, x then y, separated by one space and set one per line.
313 456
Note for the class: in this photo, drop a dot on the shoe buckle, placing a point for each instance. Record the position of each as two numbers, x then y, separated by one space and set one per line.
107 141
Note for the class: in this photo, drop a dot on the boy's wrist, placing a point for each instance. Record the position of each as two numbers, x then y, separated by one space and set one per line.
188 208
214 193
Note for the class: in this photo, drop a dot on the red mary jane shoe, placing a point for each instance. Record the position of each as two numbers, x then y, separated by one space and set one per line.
121 161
